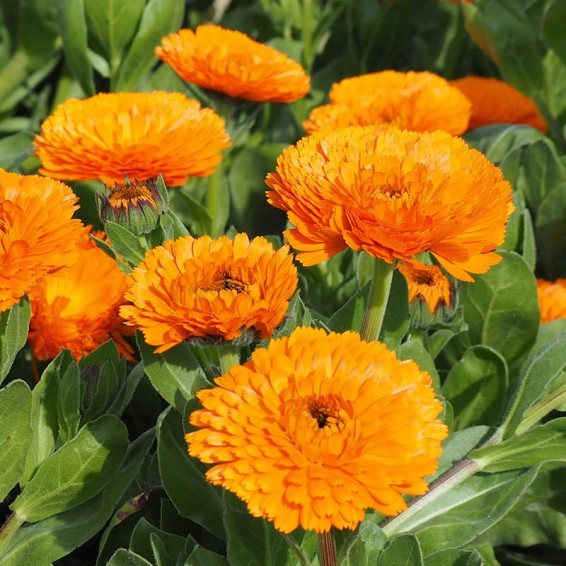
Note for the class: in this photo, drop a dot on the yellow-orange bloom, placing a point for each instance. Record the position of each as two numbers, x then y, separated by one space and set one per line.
427 283
494 101
37 233
196 288
78 309
317 428
412 101
137 134
232 63
393 194
552 299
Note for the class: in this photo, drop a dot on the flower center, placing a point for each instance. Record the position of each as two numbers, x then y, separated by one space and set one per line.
423 278
226 283
131 195
326 412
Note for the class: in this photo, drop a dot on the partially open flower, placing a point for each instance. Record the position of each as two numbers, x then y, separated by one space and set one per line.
552 299
494 101
37 233
135 206
78 309
134 134
393 194
418 101
198 288
232 63
427 283
317 428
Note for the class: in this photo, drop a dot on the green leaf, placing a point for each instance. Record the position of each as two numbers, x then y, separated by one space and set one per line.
107 352
159 18
497 141
15 149
553 29
454 557
415 350
351 315
403 550
48 540
44 417
544 444
141 544
538 517
72 25
76 472
125 243
501 307
508 37
476 387
550 230
123 557
457 446
363 545
528 245
175 374
106 386
14 324
15 433
69 400
197 216
251 540
202 557
542 373
113 24
126 391
396 319
183 477
458 518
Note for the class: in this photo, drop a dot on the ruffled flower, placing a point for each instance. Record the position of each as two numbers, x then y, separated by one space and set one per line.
317 428
552 299
199 288
37 233
233 64
137 134
393 194
418 101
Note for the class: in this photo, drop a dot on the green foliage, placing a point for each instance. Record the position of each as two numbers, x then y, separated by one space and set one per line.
13 334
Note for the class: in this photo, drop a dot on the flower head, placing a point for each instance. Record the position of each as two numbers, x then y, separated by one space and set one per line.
393 194
136 206
494 101
317 428
198 288
427 283
232 63
78 309
37 233
412 101
139 135
552 299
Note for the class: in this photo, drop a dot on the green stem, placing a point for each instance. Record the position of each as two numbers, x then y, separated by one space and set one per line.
213 202
539 410
327 548
9 529
229 357
442 485
377 299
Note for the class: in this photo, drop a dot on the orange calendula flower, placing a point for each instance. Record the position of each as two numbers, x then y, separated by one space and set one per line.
494 101
412 101
139 134
232 63
317 428
37 233
78 309
552 299
198 288
393 194
427 283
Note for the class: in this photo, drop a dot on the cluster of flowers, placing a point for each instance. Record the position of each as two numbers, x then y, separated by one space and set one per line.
295 431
